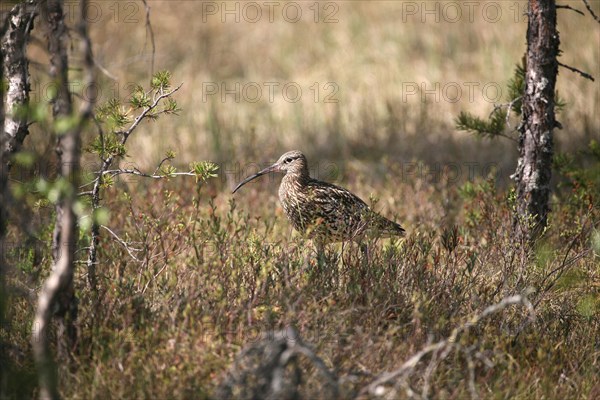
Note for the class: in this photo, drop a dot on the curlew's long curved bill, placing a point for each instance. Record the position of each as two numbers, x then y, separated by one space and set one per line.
272 168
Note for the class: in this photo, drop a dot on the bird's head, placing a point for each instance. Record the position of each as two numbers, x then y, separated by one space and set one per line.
292 162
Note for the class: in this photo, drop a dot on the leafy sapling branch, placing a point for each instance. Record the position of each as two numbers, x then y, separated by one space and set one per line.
499 118
496 124
115 124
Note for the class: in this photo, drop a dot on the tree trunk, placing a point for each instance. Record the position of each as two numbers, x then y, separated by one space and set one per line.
14 100
3 181
57 295
16 73
534 168
3 169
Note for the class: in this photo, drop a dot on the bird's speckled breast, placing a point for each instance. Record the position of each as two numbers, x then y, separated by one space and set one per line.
295 200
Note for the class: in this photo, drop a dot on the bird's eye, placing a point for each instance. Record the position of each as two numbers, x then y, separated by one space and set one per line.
288 160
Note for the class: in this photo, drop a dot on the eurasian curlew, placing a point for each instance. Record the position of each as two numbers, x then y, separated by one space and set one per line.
324 212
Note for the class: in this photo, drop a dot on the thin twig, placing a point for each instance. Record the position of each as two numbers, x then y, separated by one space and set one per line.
154 278
149 29
137 172
104 70
123 243
589 8
567 7
160 164
495 109
564 264
509 109
583 74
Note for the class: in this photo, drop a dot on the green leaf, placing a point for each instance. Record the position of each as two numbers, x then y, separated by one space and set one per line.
85 224
101 216
38 112
106 181
79 208
491 127
167 170
161 80
171 107
24 158
54 191
110 146
108 108
119 118
64 124
204 170
51 91
139 99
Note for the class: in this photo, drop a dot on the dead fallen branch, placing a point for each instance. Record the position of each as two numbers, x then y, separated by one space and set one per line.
388 384
269 369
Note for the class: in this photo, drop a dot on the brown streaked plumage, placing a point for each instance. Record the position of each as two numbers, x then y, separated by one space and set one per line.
323 211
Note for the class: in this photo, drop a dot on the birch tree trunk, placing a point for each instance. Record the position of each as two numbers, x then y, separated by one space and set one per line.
16 72
3 181
14 100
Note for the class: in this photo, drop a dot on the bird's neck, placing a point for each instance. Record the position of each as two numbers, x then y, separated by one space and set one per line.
299 178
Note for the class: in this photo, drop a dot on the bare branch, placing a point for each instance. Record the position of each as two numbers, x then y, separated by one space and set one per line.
151 31
104 70
147 285
160 164
126 245
567 7
88 65
134 171
591 11
573 69
442 349
509 108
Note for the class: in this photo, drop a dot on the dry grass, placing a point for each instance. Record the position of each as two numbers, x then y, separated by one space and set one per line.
377 53
213 275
